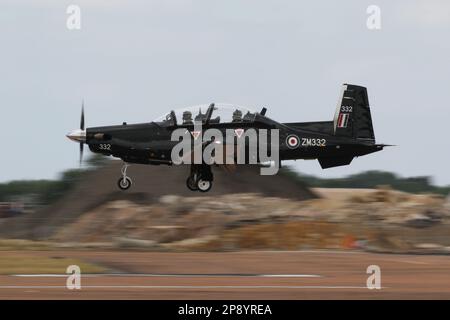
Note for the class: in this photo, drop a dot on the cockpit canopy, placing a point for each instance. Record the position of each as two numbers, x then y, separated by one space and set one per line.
219 113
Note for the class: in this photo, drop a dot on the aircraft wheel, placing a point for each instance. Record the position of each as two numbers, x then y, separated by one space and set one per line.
204 185
124 184
190 183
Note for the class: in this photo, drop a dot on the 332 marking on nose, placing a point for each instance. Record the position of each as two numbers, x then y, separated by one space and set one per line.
104 146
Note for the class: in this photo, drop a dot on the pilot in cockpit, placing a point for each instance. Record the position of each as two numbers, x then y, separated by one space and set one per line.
249 116
237 116
187 117
171 118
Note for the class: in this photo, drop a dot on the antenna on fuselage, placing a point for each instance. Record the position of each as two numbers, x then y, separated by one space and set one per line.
209 113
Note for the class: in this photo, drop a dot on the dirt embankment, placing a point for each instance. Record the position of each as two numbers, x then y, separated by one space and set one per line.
150 183
374 220
244 211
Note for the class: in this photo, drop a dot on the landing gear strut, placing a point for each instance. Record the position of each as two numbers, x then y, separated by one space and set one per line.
124 183
200 178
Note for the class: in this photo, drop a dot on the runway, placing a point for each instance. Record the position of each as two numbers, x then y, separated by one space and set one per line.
237 275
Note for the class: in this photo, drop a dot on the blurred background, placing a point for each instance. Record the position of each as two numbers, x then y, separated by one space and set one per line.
373 210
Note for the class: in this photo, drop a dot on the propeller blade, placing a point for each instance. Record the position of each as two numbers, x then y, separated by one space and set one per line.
82 128
81 152
82 116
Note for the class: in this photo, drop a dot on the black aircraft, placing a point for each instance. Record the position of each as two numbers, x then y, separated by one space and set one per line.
334 143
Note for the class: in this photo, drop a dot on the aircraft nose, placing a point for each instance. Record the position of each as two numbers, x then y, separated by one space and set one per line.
77 135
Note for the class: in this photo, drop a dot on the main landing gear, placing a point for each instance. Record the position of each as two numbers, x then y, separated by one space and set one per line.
124 183
200 178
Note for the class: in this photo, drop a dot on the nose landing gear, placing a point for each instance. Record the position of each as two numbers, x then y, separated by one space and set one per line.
200 178
124 183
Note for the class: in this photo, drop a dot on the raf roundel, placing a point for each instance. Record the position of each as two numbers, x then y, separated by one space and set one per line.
292 141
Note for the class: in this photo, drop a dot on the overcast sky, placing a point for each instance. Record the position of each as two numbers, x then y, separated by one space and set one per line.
135 60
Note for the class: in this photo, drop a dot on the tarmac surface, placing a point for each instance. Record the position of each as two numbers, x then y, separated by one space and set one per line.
237 275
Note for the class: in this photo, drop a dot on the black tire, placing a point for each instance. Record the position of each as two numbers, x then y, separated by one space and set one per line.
191 184
124 184
204 185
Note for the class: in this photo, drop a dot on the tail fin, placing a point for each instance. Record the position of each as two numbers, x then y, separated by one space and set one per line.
352 118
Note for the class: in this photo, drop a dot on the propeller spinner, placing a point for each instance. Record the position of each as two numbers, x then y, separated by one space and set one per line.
79 135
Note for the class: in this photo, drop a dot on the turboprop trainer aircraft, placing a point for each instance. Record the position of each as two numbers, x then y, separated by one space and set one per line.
333 143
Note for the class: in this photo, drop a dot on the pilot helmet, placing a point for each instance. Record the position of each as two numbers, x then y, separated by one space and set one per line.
237 114
187 116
